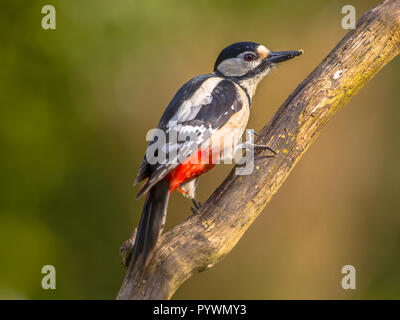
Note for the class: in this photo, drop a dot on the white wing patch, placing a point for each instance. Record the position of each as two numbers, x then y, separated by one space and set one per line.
190 108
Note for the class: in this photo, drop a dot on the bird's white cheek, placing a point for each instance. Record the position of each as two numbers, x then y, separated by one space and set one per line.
234 67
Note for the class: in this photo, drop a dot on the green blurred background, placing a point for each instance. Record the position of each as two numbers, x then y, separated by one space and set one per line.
76 103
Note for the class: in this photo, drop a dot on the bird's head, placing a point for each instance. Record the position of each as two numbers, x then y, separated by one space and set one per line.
249 62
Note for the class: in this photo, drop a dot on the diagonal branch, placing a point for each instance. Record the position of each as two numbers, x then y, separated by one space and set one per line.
204 239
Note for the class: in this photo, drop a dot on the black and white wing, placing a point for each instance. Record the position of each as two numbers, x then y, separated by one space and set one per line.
202 106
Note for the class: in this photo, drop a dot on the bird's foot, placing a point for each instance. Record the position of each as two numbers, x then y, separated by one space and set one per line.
125 251
250 146
264 147
196 206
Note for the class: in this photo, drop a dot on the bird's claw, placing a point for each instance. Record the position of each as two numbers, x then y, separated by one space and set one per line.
196 206
264 147
194 210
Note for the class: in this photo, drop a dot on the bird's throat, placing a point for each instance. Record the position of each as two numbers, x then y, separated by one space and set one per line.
250 84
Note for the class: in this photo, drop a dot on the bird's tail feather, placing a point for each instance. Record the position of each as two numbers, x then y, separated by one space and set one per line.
151 224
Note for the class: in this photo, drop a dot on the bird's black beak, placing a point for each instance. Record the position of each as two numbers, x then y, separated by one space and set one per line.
280 56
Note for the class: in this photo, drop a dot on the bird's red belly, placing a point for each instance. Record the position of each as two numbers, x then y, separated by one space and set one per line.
193 167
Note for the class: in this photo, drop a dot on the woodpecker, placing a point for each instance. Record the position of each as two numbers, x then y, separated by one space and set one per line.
218 102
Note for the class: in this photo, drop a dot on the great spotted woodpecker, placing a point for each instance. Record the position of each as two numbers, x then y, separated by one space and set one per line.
219 103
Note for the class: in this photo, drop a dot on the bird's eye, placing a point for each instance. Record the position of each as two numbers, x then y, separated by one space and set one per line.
249 57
